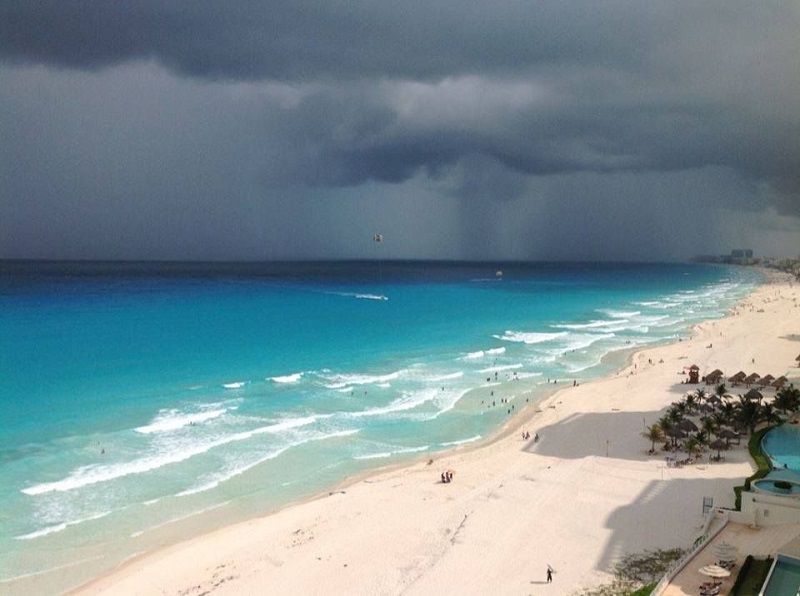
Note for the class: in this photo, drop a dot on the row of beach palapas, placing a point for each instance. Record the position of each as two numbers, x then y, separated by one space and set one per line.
717 413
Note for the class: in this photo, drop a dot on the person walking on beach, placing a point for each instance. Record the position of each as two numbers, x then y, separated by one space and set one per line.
549 574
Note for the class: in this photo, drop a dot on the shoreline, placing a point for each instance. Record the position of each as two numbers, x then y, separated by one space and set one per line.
541 416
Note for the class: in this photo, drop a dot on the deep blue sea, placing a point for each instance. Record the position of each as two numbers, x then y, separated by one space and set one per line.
146 402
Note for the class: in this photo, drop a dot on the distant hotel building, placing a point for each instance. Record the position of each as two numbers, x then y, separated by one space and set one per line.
739 256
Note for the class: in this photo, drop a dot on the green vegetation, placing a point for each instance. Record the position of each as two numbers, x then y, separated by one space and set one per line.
638 574
761 461
751 577
655 434
721 415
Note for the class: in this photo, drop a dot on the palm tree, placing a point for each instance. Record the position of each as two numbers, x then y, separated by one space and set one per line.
748 413
693 446
725 414
703 436
690 402
787 399
677 410
654 434
710 425
666 423
699 395
769 415
721 391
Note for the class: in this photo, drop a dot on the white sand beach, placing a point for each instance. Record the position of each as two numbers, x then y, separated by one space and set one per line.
584 494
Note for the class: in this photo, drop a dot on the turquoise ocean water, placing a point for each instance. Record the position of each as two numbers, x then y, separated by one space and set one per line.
142 403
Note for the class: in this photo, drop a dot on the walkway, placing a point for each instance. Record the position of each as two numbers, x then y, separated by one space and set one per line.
754 541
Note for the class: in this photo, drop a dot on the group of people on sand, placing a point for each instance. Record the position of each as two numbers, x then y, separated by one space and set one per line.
447 475
526 435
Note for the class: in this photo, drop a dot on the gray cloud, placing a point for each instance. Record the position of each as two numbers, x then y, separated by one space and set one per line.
251 39
197 129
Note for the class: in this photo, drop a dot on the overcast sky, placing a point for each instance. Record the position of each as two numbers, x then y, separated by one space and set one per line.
253 129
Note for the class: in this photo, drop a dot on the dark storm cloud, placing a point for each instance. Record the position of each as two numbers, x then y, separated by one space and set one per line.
228 114
625 77
252 39
356 136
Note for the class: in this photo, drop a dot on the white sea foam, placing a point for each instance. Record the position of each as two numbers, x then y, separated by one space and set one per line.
642 324
372 297
461 442
381 455
413 449
528 375
43 532
385 454
421 374
95 474
237 471
408 401
60 527
529 337
227 476
501 368
619 314
446 401
483 353
581 341
236 385
287 378
342 380
446 377
360 296
591 325
169 420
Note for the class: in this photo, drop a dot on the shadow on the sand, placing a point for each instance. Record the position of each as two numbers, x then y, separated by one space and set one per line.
637 525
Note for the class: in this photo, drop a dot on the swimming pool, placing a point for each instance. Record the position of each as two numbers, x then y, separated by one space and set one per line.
782 446
783 578
769 485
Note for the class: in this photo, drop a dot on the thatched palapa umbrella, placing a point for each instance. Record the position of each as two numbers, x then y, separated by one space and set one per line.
719 445
766 380
728 434
687 425
754 394
737 378
714 376
676 433
751 378
779 382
